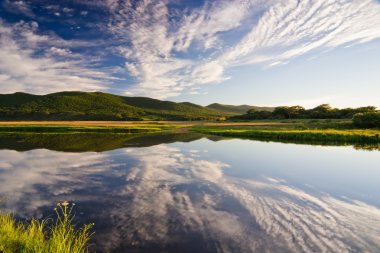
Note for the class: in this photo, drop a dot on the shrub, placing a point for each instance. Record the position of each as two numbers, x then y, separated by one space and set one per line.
367 119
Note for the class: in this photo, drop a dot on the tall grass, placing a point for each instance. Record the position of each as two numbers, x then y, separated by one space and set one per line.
327 135
37 236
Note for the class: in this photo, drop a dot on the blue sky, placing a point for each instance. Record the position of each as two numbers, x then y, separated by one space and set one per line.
272 52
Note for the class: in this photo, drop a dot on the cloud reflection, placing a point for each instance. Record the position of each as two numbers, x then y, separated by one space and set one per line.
162 197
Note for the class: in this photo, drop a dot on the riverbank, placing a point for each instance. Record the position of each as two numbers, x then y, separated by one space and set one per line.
333 131
87 127
331 135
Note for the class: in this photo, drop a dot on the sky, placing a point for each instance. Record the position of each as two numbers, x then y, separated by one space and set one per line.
258 52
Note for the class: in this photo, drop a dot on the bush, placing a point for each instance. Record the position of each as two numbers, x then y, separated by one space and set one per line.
367 119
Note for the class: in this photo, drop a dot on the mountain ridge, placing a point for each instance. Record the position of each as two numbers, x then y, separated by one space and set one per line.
77 105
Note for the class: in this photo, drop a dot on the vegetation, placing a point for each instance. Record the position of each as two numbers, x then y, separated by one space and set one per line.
323 111
99 106
328 131
36 236
30 128
238 109
367 120
68 129
310 135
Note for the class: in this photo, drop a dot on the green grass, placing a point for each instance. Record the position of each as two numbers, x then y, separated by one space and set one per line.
36 236
83 129
293 135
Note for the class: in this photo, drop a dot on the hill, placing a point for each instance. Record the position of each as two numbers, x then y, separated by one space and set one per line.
237 109
99 106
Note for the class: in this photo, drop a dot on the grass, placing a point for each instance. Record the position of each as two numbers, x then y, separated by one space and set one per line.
36 236
77 128
297 135
298 131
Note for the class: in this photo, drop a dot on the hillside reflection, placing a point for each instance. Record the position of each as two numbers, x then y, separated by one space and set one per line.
169 199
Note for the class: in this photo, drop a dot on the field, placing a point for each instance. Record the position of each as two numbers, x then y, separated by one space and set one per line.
87 127
276 130
321 132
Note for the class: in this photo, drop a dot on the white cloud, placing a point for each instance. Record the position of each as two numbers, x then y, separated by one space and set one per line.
167 50
28 63
292 28
153 42
284 30
22 7
60 51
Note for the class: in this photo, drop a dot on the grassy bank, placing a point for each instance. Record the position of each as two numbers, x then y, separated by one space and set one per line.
144 128
293 135
36 236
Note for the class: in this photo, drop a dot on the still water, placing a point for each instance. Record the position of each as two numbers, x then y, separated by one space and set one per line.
189 193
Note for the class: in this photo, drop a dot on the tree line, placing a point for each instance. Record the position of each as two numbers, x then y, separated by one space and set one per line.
367 116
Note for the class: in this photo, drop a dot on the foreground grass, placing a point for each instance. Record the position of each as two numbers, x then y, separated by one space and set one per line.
293 135
36 236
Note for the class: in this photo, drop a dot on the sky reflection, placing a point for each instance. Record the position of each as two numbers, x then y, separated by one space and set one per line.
188 198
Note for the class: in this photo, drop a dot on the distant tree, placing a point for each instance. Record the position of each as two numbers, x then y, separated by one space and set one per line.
323 111
281 112
365 109
367 119
255 114
251 111
323 108
296 111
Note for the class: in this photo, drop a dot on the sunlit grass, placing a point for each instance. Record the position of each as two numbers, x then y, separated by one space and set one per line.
337 135
37 236
89 127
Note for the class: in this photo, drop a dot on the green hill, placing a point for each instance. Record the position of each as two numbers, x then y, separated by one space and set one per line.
99 106
237 109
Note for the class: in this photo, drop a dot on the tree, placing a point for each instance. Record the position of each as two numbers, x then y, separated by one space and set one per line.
367 119
281 112
296 111
324 111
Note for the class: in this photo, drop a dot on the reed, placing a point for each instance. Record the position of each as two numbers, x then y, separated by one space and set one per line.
37 236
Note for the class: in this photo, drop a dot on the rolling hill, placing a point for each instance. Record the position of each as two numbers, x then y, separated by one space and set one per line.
99 106
237 109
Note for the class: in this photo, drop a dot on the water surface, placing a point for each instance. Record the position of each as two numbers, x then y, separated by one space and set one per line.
188 193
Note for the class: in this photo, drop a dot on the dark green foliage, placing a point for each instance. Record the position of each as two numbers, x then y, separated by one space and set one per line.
323 111
254 114
98 106
237 109
367 120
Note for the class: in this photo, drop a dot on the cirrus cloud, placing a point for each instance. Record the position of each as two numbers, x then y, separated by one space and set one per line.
165 48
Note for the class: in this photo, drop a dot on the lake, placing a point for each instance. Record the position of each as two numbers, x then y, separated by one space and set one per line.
188 193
